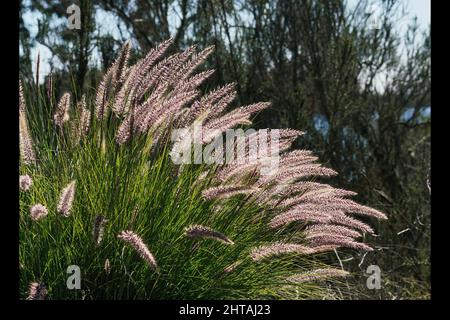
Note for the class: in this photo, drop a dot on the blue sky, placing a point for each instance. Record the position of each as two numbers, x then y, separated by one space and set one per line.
419 8
422 9
416 8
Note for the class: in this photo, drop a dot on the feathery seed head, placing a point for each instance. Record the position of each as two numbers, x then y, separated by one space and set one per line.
318 274
101 96
66 199
232 267
81 127
97 233
37 291
341 218
107 266
278 248
25 141
38 211
138 244
62 110
320 229
224 192
120 64
199 231
25 182
50 86
335 239
21 98
299 215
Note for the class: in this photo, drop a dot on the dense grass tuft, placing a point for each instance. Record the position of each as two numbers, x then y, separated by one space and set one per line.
95 187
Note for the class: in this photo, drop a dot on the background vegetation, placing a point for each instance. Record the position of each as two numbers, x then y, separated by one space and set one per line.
360 91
